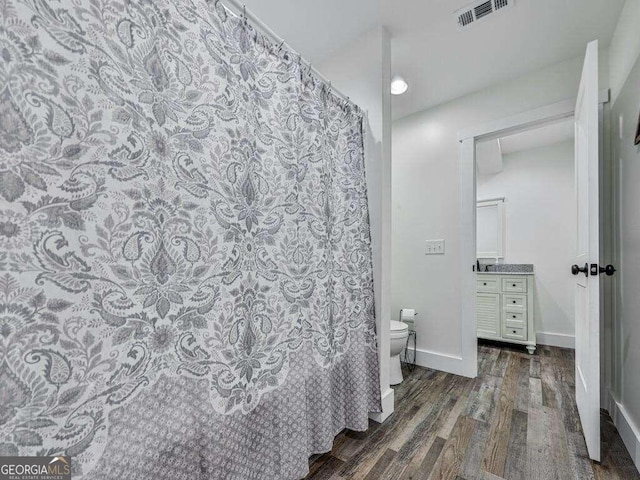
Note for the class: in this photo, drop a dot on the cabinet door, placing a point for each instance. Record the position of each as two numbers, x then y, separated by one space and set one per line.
488 308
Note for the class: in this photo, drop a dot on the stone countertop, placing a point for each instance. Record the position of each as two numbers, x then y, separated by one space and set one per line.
506 273
507 269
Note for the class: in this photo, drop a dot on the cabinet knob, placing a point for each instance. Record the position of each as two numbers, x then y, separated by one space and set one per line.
485 284
514 301
514 284
514 316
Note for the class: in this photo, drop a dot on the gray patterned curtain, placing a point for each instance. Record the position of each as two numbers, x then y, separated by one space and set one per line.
185 262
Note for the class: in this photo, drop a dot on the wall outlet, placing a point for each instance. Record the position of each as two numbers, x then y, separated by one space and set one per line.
435 247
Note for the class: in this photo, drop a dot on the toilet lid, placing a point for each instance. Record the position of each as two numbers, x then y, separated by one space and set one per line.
398 326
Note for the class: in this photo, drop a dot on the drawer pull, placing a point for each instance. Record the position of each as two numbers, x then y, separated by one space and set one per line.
514 284
514 316
485 284
515 331
514 301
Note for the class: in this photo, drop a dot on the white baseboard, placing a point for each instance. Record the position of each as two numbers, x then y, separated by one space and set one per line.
556 340
388 406
440 361
628 430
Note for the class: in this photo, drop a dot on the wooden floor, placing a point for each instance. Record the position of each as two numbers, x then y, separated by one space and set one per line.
517 420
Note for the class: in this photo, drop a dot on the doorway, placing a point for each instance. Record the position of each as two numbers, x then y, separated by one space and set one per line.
589 130
525 236
470 139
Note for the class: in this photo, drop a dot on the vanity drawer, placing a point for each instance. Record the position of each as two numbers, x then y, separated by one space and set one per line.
512 302
487 285
514 285
515 318
515 333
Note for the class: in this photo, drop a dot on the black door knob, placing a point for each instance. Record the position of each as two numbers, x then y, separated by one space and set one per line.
575 270
609 270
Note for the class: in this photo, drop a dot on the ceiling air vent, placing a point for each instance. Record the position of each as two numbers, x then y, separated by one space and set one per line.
480 10
483 10
466 18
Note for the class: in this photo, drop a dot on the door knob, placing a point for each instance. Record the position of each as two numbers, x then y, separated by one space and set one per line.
575 270
597 270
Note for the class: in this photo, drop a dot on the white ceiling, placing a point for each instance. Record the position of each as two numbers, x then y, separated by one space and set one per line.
539 137
441 62
317 28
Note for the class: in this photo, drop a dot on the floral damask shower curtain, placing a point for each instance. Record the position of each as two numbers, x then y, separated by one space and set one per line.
185 260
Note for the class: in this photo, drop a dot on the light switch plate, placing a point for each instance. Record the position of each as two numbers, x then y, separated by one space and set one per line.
435 247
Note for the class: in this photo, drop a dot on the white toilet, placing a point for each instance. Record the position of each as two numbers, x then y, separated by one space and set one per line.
399 334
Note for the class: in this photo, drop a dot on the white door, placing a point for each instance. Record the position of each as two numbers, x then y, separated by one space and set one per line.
587 288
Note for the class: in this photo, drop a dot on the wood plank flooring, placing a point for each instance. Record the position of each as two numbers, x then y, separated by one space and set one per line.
516 421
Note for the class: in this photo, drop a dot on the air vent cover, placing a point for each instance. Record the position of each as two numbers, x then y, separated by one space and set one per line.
480 10
466 18
483 10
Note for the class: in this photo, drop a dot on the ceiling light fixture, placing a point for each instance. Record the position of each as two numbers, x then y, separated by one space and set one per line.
398 85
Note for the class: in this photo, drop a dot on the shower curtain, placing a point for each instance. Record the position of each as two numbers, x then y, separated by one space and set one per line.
185 260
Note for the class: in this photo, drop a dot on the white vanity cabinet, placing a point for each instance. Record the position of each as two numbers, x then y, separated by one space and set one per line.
504 305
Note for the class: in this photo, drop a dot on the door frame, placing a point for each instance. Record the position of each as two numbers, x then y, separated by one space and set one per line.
468 139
